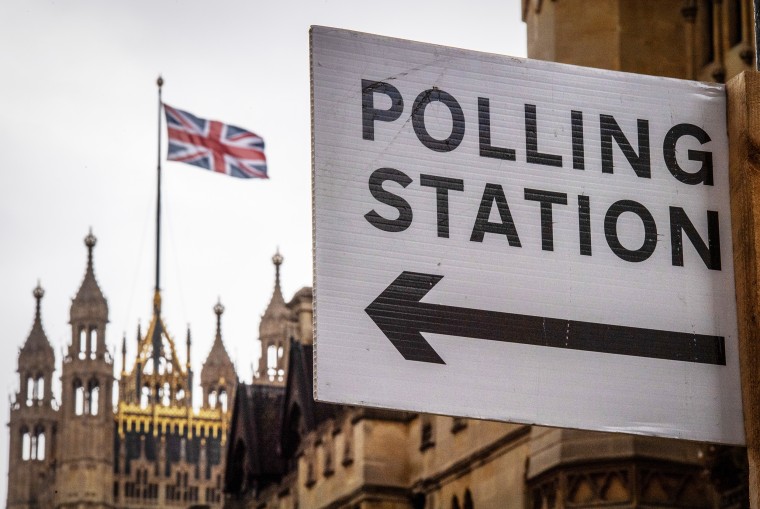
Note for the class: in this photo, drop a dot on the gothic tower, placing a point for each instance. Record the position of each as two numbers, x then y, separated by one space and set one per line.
85 459
218 377
33 422
274 331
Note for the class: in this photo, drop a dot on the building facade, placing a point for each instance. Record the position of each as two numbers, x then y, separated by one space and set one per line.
153 449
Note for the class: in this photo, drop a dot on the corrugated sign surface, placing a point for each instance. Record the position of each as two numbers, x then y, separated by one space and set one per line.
521 240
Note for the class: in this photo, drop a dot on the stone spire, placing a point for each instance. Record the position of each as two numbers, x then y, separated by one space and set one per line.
89 302
274 333
124 353
218 363
188 345
37 350
277 311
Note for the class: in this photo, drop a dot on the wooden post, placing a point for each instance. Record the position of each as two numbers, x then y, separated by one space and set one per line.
744 176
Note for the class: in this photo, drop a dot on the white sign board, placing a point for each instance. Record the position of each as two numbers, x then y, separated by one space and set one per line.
523 241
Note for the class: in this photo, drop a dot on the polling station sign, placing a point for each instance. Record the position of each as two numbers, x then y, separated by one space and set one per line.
520 240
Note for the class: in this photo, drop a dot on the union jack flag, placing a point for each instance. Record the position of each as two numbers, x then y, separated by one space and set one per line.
214 146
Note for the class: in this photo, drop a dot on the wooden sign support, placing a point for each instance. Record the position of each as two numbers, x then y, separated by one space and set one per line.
744 171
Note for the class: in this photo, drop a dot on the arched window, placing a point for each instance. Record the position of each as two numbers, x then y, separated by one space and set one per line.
79 398
166 394
82 342
29 391
38 444
39 388
223 399
93 342
33 448
144 397
180 394
93 396
272 362
212 399
468 500
26 444
427 433
455 502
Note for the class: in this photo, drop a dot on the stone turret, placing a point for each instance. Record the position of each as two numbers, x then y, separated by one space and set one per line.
218 378
36 360
274 333
33 421
86 456
88 313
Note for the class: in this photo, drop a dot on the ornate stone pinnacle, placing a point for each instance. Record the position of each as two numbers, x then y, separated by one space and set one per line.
38 291
90 240
277 259
218 308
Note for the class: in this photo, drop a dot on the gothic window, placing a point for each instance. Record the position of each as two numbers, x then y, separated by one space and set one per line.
223 400
348 450
93 342
38 444
33 447
35 388
29 391
212 399
141 488
145 397
148 369
180 394
79 398
39 388
82 342
271 361
328 468
214 494
166 394
455 502
426 432
93 397
26 444
468 500
311 478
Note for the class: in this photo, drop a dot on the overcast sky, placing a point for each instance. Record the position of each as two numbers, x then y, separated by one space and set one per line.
78 129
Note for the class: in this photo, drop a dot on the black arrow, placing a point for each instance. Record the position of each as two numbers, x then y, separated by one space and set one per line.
401 316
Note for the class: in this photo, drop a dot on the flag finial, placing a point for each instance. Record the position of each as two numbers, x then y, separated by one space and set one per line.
160 81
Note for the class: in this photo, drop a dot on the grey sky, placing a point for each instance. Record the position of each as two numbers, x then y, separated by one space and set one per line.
78 125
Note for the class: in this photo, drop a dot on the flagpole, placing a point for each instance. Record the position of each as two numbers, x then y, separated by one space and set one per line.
157 298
